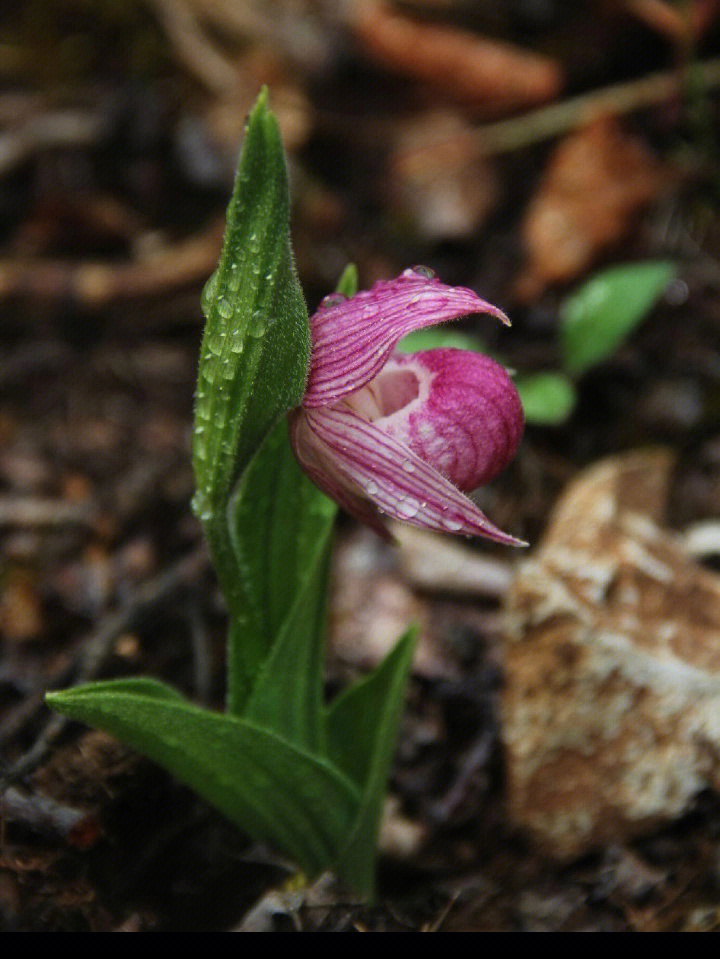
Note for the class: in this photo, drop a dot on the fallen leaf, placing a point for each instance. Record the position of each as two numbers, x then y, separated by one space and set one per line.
495 78
596 183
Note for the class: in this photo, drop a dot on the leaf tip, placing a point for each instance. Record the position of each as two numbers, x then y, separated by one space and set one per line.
57 700
262 102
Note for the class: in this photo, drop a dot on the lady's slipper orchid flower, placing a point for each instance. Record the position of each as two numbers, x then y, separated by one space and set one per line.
402 434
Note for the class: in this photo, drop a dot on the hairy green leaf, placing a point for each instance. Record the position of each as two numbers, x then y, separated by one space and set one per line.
273 790
280 528
604 311
361 731
256 346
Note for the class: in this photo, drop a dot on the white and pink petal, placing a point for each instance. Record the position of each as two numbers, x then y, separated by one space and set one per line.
352 339
355 460
317 462
466 419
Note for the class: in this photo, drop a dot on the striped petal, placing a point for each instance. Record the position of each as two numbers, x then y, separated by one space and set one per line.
466 419
352 339
312 457
357 463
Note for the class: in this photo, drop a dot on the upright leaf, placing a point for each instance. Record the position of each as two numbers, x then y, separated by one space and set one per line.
287 695
280 528
256 345
361 730
604 311
348 282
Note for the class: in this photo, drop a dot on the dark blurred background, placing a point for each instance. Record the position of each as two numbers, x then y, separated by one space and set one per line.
520 148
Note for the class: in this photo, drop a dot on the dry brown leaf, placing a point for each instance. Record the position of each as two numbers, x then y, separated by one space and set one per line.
680 24
21 615
495 77
595 184
612 696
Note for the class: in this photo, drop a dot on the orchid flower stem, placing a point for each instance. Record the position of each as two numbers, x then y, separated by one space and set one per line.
288 408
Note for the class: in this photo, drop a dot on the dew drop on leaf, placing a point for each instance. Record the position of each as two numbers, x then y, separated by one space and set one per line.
258 323
208 293
224 308
200 506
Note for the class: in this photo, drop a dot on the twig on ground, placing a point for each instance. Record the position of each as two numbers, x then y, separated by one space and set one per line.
434 563
94 651
548 122
551 121
306 39
17 511
94 285
52 818
96 648
49 130
193 47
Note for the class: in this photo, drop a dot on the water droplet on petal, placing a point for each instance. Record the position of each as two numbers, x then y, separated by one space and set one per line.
371 488
424 272
451 524
408 466
408 508
332 299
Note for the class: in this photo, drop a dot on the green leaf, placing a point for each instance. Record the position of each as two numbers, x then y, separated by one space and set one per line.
439 336
256 346
135 686
280 530
348 282
361 730
287 696
273 790
603 313
548 399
